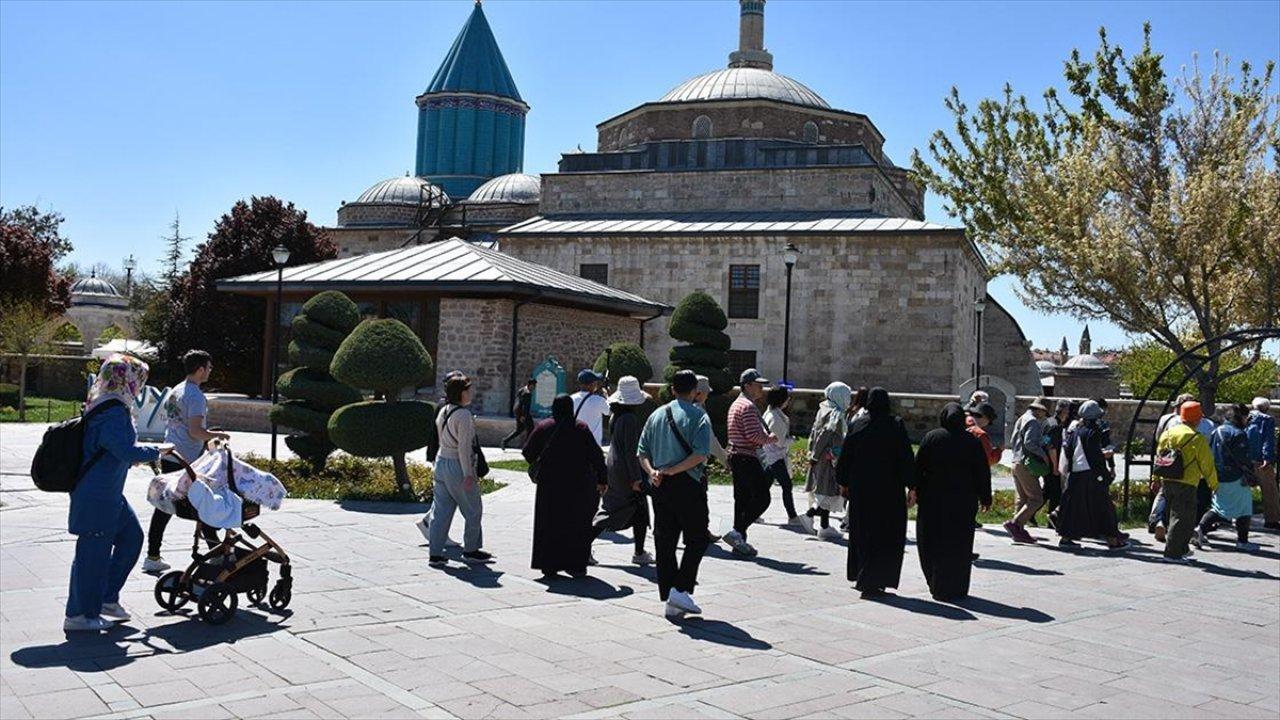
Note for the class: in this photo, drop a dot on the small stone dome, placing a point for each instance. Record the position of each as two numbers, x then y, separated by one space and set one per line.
514 188
744 83
1045 367
392 202
94 285
1086 362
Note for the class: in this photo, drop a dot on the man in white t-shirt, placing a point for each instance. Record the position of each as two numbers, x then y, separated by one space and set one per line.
589 403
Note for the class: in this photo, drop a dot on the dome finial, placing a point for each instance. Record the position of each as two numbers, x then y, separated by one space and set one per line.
751 52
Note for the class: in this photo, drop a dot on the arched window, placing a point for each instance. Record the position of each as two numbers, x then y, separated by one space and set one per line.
68 332
702 127
810 133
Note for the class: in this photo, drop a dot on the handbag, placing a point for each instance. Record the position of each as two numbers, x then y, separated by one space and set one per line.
1036 466
1168 463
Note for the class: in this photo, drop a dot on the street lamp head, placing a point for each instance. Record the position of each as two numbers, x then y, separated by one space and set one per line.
280 254
130 263
979 305
790 254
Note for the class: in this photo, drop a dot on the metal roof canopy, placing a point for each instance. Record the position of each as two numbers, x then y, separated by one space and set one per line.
453 267
715 222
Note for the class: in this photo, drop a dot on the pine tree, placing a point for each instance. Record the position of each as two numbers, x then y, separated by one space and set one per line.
173 255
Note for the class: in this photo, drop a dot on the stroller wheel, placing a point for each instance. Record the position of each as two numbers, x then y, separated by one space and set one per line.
257 595
170 594
281 594
217 604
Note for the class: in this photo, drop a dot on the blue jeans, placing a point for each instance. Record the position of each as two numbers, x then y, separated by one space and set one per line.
102 564
451 494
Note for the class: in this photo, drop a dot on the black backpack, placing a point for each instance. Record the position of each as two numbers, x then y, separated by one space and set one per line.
56 466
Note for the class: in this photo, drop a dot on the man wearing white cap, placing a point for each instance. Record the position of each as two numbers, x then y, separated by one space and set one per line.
624 504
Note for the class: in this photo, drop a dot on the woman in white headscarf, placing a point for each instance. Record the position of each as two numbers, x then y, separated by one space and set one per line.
825 441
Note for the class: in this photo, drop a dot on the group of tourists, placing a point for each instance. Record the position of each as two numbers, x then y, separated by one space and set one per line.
108 535
859 465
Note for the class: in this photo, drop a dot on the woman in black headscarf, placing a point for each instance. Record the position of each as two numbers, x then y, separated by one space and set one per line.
952 481
571 477
876 471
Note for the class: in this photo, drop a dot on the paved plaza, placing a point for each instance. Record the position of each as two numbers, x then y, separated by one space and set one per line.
373 632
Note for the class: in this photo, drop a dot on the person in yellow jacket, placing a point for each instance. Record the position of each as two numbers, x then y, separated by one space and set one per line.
1180 493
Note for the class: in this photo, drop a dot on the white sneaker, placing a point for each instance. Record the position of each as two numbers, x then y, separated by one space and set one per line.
1184 560
674 613
1198 539
683 601
1246 546
154 565
804 522
733 538
643 558
591 560
829 533
422 528
114 611
81 623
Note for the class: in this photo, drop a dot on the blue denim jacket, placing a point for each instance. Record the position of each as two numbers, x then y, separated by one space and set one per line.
1262 437
95 503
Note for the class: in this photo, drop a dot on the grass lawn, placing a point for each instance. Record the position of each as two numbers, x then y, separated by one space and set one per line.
43 410
351 478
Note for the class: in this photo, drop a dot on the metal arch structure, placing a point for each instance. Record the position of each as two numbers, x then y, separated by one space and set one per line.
1169 390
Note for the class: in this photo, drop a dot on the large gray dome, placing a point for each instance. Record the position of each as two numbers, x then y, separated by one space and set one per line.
514 188
94 285
406 190
742 83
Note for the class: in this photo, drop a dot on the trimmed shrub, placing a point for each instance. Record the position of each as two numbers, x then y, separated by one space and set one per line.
8 395
696 355
699 321
384 356
622 359
378 429
312 393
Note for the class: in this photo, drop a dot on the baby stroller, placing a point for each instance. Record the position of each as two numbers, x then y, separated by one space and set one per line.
236 566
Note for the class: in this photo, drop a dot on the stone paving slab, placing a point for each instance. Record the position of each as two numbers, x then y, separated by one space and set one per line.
373 632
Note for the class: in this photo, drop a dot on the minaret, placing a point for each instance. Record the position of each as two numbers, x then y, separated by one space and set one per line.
751 52
1086 345
1065 352
471 117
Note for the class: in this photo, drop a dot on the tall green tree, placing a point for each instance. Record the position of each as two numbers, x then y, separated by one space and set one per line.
26 330
232 326
1129 197
1140 365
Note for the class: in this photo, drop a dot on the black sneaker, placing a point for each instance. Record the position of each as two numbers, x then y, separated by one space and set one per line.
477 556
437 561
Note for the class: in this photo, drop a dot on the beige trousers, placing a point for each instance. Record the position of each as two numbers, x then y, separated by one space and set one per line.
1029 495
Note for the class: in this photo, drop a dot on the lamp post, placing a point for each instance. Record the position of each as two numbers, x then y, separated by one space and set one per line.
790 254
129 265
280 254
978 306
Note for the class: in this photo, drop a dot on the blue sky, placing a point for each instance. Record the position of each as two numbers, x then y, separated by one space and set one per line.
119 114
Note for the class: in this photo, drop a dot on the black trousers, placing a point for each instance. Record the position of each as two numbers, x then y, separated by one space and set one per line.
635 516
160 520
679 508
523 425
1052 492
751 496
1211 520
778 472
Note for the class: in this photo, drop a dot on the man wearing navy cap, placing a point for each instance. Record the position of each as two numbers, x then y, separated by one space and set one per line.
589 403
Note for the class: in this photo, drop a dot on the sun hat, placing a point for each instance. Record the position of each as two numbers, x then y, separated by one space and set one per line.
1041 403
629 392
704 384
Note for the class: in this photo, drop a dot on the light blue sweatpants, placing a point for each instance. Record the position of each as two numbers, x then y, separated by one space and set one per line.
450 494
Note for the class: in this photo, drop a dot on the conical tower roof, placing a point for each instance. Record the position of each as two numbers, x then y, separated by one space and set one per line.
474 63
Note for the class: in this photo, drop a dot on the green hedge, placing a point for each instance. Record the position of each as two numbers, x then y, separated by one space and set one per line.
314 333
295 414
306 354
685 355
334 310
8 395
375 429
624 358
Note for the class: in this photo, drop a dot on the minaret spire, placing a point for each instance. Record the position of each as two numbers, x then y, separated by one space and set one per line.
1086 343
751 52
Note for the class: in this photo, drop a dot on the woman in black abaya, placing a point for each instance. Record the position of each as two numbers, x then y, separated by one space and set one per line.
876 470
952 481
571 478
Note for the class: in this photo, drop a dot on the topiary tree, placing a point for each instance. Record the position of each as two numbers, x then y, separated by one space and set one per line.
311 394
699 321
624 358
386 357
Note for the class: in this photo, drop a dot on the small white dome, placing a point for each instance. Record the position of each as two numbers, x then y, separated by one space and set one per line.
1086 362
94 285
405 190
1045 367
514 188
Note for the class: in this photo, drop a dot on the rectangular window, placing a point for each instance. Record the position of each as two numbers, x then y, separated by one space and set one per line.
744 291
740 360
595 272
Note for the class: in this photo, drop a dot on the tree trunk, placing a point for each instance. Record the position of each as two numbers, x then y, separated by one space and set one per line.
1208 387
22 389
402 475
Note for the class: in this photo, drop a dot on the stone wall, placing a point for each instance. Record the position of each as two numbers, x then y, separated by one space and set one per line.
1006 351
737 119
1069 382
364 240
840 189
875 309
574 337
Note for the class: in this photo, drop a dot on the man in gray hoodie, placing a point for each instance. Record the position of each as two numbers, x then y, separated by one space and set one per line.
1027 444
